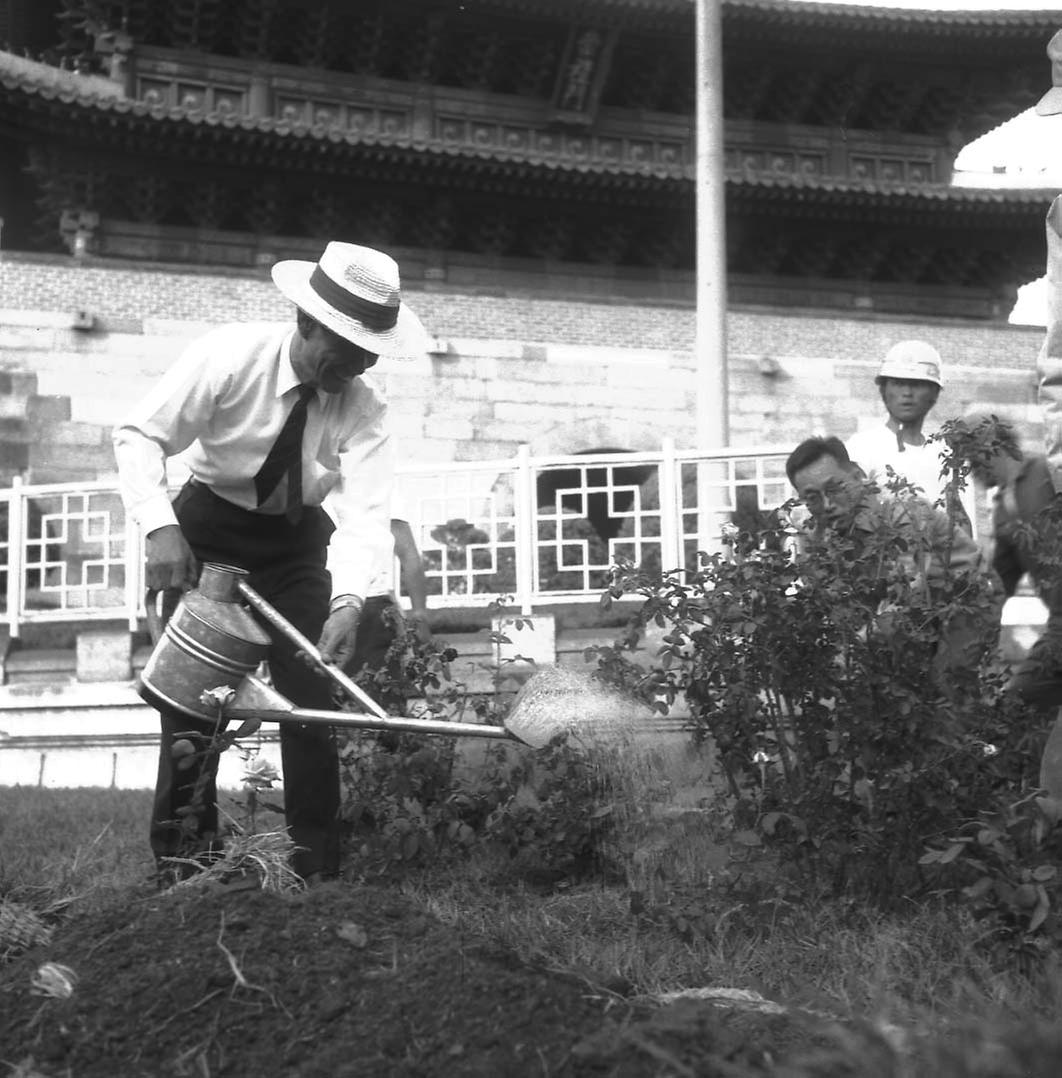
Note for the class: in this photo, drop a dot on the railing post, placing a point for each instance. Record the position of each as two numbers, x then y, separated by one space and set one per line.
671 547
16 556
524 515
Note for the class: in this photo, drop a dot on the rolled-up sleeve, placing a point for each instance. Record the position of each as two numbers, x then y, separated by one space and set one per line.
164 423
361 506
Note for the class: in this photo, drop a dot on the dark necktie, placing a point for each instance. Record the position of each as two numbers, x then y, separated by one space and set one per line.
285 458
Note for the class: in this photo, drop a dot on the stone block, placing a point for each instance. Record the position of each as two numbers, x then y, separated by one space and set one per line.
486 367
69 464
539 414
13 428
104 654
634 376
509 432
106 411
50 409
608 356
12 408
72 433
401 384
21 340
435 449
14 457
34 319
443 426
656 396
406 427
181 328
78 458
488 347
39 666
485 449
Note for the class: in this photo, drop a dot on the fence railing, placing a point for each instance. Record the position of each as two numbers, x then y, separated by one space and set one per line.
540 529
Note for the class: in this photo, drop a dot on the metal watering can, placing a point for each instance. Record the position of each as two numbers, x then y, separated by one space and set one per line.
212 640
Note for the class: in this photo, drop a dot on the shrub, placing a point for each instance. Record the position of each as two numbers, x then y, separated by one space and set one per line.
1006 864
404 805
846 732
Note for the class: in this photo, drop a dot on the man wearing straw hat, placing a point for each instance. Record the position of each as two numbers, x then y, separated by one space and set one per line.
271 421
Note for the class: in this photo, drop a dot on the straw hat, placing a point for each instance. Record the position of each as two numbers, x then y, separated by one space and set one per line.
1051 103
355 292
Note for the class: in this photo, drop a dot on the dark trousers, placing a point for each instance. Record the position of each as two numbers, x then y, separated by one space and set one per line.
286 565
1037 679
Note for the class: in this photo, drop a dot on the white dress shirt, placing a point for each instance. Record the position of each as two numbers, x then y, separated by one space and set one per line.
222 405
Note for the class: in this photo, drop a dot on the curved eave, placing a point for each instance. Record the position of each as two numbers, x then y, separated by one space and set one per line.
865 193
1016 212
823 15
811 16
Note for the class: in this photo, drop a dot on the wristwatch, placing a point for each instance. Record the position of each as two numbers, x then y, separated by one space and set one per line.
341 602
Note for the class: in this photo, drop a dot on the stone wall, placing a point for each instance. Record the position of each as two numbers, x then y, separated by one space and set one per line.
80 341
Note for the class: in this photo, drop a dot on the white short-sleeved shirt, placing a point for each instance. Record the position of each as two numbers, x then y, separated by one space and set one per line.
876 449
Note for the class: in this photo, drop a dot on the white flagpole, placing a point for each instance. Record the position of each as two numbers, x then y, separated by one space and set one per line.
713 417
713 425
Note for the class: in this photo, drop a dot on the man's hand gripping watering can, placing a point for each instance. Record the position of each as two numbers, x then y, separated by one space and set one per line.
212 641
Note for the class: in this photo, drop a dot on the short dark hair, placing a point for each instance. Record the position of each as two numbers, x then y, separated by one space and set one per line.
814 449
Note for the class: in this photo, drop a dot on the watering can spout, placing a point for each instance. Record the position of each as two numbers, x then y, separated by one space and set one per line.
255 695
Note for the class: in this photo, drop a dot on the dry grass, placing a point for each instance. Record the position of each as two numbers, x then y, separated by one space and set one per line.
261 857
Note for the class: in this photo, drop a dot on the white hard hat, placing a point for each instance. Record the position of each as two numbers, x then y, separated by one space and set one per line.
914 361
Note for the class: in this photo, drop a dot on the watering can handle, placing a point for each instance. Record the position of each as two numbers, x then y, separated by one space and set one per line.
160 605
275 618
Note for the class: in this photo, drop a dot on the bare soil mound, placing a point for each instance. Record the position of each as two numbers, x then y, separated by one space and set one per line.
340 981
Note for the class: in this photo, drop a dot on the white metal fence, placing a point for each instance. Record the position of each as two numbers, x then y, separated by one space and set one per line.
540 529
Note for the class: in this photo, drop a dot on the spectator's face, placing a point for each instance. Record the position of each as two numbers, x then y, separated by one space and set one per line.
993 470
832 493
908 400
325 359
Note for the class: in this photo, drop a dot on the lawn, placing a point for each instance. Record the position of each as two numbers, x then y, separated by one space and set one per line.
530 978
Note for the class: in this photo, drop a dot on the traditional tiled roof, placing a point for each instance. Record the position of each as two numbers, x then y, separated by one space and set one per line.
57 97
59 94
813 15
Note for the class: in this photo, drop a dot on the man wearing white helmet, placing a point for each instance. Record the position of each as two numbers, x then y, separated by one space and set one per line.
909 380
